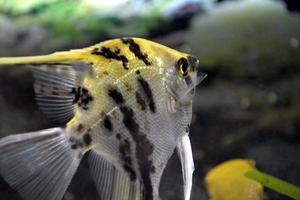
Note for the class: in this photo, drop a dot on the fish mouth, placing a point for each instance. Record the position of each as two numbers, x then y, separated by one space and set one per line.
200 76
197 78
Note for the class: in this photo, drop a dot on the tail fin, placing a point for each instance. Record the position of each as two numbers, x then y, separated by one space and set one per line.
39 165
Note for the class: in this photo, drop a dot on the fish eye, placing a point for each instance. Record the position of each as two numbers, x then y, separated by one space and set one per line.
183 66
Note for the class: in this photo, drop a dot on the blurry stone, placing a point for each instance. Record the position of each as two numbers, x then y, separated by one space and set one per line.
185 9
20 40
272 97
250 38
294 42
245 102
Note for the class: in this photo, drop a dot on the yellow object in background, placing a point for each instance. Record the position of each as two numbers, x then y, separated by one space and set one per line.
228 182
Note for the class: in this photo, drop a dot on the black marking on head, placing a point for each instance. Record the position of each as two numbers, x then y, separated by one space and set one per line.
144 149
137 72
87 139
193 62
107 53
107 123
140 100
130 171
148 92
136 50
116 96
82 97
125 151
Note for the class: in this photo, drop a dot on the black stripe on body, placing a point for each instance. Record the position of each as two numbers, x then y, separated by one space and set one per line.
124 146
148 93
87 139
107 123
116 96
125 150
144 148
136 50
107 53
140 100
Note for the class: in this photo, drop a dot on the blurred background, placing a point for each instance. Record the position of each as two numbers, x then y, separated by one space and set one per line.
247 107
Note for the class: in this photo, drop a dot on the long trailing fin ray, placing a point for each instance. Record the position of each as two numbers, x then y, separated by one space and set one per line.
38 164
112 183
58 57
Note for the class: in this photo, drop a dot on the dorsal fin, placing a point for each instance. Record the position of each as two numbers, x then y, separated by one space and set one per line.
58 87
59 77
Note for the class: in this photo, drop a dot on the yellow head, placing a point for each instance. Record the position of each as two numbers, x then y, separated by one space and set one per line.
180 71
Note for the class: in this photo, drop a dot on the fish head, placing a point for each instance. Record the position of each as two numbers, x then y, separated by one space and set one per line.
181 72
183 77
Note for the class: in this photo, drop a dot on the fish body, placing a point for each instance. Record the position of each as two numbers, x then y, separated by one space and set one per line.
129 110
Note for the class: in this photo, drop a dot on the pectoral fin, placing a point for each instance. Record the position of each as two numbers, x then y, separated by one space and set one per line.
184 150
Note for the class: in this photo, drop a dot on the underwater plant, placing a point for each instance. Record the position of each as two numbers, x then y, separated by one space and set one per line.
274 183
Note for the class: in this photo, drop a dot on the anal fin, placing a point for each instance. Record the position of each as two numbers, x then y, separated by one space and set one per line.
112 183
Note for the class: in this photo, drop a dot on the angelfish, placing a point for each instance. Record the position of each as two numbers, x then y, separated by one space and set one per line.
127 101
